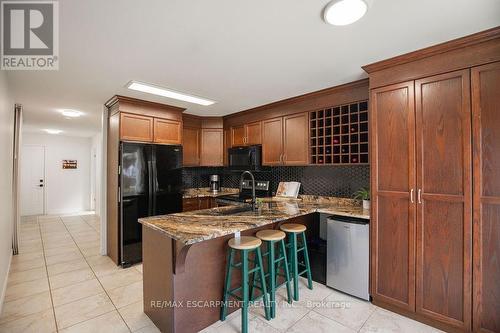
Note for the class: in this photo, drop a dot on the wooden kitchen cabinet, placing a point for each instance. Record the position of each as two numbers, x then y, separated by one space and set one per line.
296 139
190 204
272 141
486 202
253 133
227 145
285 140
191 146
421 197
167 131
238 136
444 198
393 182
134 127
212 145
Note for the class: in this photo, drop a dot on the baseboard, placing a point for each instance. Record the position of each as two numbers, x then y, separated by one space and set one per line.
4 287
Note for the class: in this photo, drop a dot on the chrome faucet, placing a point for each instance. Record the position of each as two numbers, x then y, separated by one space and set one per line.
254 200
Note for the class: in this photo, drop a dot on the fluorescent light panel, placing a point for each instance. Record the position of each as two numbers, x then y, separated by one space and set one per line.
52 131
71 113
155 90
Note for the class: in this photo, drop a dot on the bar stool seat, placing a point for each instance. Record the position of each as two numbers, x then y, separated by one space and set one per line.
244 243
293 227
270 235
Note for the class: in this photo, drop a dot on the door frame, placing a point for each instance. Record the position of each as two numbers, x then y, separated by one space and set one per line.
44 206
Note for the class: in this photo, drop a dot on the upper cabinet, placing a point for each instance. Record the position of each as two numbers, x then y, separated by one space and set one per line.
203 141
285 140
246 135
212 143
191 146
238 136
134 127
143 121
167 131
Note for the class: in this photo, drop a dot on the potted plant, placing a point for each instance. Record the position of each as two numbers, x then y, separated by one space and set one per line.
363 194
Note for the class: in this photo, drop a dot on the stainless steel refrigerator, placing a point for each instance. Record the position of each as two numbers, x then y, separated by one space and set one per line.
150 184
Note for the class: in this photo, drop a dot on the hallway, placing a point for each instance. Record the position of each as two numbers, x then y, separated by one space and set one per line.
60 283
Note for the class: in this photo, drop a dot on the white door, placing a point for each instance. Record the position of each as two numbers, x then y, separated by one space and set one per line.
32 180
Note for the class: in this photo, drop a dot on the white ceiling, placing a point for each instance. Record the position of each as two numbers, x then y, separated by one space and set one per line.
239 53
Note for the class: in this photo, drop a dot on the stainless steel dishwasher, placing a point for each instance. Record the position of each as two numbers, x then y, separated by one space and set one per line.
347 255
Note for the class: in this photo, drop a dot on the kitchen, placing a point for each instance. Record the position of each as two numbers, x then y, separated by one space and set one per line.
241 176
330 167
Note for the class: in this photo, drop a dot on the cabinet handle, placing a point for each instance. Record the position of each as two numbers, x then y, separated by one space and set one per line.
411 195
419 196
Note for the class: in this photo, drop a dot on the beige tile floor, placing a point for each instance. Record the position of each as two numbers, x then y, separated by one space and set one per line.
60 283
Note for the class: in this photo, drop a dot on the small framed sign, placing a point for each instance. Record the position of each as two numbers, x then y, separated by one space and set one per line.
69 164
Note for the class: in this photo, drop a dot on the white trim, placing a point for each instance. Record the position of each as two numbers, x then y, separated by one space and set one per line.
4 287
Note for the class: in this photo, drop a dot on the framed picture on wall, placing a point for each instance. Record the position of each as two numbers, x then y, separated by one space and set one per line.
69 164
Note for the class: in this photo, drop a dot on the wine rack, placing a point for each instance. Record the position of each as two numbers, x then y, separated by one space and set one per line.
339 134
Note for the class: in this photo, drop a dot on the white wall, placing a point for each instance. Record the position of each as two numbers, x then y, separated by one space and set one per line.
67 190
97 149
6 217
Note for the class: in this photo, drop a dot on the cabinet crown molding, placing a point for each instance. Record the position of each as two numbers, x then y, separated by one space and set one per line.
119 98
455 44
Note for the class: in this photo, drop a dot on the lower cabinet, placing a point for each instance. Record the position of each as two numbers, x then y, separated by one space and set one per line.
190 204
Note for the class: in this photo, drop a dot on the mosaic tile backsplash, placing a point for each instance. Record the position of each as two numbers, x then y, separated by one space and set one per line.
338 181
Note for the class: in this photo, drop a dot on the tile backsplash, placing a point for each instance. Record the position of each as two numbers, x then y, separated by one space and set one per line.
339 181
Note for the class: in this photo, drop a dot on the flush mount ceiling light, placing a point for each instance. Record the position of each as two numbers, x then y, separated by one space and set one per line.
344 12
156 90
52 131
71 113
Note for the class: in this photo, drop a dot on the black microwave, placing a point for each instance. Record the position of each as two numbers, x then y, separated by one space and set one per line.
245 158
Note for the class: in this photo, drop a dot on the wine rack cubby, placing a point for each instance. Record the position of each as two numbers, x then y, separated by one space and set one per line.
339 134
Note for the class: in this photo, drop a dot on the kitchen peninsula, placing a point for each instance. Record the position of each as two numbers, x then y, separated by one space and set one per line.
184 254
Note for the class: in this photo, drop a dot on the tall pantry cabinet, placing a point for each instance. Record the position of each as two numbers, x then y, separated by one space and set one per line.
435 182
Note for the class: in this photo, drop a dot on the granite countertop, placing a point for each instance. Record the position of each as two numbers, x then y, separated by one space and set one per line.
197 226
205 192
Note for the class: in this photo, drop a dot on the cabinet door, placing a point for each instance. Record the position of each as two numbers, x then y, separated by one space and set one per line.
253 133
136 128
212 142
191 146
190 204
296 139
444 222
238 136
167 131
227 144
393 208
486 129
272 141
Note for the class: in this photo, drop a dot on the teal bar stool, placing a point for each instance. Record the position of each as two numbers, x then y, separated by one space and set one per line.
275 262
245 245
294 232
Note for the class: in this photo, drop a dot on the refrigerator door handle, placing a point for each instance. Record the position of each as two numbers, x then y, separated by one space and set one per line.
150 184
155 186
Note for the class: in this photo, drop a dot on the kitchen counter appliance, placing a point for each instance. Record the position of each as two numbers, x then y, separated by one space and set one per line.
348 255
214 183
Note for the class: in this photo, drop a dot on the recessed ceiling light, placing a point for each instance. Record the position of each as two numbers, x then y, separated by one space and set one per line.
52 131
156 90
71 113
344 12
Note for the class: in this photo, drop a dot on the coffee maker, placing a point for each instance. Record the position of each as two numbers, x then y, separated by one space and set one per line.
214 183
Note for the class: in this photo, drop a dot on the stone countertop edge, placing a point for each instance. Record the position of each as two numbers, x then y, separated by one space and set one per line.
197 226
